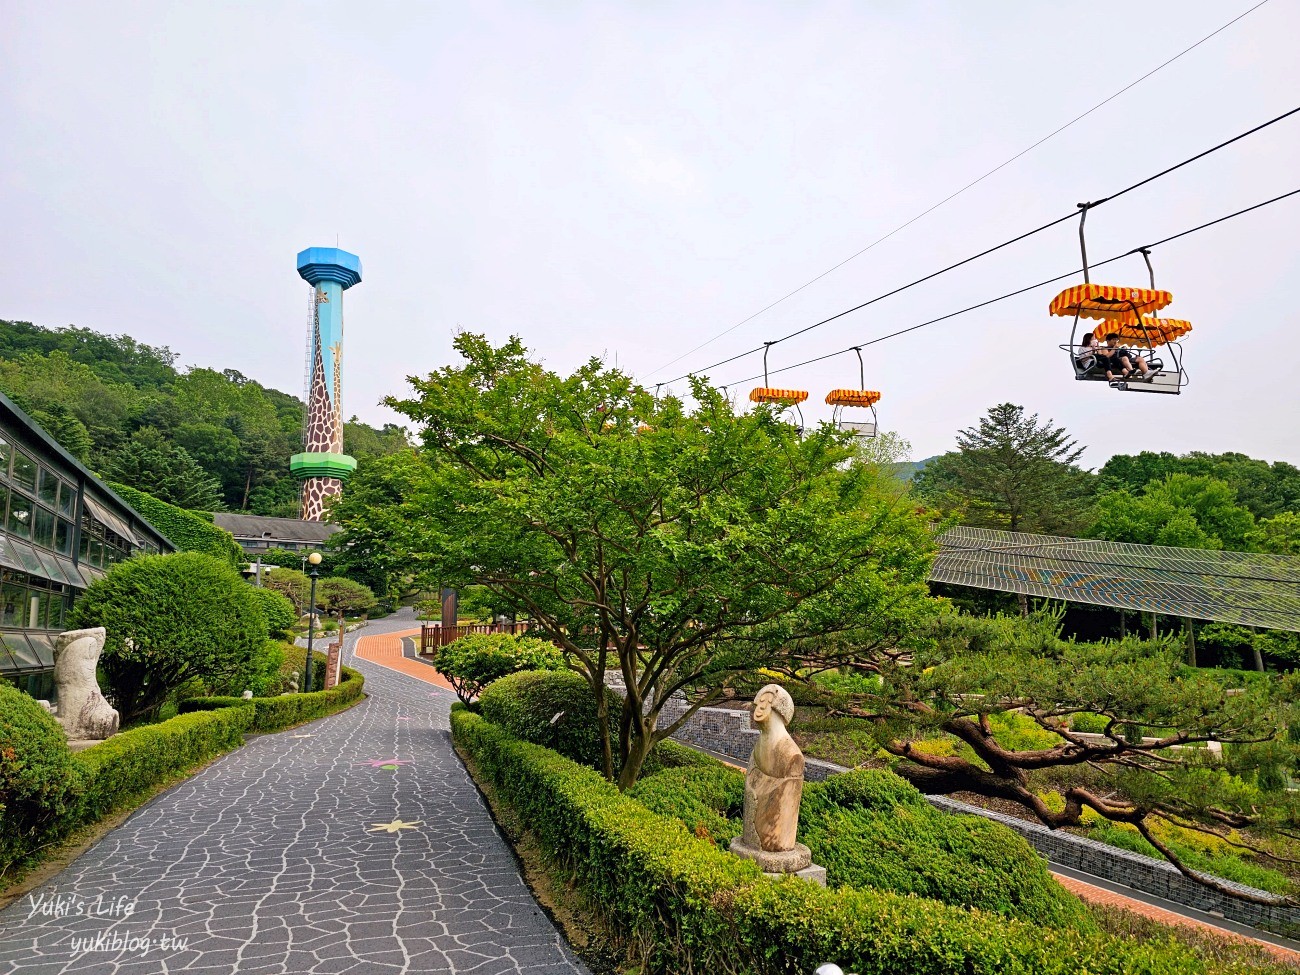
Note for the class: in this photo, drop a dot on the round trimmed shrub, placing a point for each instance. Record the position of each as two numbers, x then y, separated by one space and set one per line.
39 780
550 708
475 660
277 608
171 618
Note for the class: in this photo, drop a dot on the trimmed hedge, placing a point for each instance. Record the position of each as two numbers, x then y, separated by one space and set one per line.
286 710
870 828
680 904
131 763
189 531
551 708
81 787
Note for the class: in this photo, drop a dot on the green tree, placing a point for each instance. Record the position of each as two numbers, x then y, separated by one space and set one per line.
672 548
1263 489
61 424
343 597
1182 511
150 462
292 584
475 660
170 618
1011 472
977 675
1279 535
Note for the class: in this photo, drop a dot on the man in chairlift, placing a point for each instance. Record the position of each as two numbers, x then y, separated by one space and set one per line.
1115 356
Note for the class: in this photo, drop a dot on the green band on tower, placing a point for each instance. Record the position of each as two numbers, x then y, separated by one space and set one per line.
308 465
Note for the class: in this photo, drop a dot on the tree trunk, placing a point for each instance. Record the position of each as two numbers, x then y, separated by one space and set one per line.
1024 603
248 487
637 750
1123 624
1154 632
1189 626
1254 649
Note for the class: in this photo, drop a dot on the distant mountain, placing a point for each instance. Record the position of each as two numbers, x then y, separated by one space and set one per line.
908 469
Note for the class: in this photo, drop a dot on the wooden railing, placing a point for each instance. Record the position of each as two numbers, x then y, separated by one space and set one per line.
433 635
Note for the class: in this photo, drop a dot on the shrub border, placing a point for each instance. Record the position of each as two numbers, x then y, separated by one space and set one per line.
286 710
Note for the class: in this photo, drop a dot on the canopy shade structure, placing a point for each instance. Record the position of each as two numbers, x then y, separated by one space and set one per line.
852 397
767 394
1108 302
1227 587
1156 331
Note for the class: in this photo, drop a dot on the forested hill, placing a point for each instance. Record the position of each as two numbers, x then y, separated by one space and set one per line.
200 438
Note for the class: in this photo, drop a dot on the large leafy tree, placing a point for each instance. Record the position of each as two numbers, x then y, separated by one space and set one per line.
1011 471
1181 510
666 547
1119 729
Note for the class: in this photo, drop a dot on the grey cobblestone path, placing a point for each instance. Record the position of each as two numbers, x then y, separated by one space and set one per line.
266 863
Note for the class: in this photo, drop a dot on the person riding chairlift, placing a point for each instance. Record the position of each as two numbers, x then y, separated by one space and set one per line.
1090 351
1115 356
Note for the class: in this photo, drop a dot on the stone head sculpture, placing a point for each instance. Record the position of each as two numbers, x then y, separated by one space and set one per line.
772 699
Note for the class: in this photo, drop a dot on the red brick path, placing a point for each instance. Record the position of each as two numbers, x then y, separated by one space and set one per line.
385 649
1099 895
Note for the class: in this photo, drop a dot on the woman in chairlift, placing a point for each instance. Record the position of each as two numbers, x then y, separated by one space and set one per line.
1115 356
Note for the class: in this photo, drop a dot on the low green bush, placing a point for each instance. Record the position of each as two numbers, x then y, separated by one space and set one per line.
475 660
129 764
277 608
550 708
870 828
39 781
709 801
285 710
676 903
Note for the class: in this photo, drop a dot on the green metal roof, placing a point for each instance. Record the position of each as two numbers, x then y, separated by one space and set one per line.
1230 587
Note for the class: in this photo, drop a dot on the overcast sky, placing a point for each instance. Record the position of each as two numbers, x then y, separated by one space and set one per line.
631 179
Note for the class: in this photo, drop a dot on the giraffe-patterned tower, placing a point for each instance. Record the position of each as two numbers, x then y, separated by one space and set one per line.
323 467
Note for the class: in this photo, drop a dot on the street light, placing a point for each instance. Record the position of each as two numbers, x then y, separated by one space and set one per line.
314 559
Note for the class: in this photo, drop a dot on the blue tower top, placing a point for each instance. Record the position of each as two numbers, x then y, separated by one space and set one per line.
317 264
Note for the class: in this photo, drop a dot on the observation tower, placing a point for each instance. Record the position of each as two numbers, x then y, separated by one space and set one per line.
323 467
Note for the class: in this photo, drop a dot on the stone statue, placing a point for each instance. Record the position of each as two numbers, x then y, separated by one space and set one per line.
82 710
773 788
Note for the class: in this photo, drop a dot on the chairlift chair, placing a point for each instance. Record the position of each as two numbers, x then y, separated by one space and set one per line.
860 398
1130 312
784 398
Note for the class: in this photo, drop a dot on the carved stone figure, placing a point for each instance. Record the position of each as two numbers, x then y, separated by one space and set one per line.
773 790
83 711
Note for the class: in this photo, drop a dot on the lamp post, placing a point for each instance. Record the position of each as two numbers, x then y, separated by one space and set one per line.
314 559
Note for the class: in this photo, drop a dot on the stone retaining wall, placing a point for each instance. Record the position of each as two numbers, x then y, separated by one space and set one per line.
727 732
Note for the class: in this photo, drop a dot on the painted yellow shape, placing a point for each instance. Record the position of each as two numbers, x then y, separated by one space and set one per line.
392 827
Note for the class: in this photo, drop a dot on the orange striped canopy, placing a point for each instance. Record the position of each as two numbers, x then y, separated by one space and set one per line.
1157 331
1108 302
852 397
766 394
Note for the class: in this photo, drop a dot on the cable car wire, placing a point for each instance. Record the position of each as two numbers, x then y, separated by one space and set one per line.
1021 291
997 247
957 193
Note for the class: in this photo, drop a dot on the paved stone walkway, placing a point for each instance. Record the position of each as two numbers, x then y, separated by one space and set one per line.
269 862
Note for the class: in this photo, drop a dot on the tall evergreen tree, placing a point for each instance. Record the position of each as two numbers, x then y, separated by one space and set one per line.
1011 471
